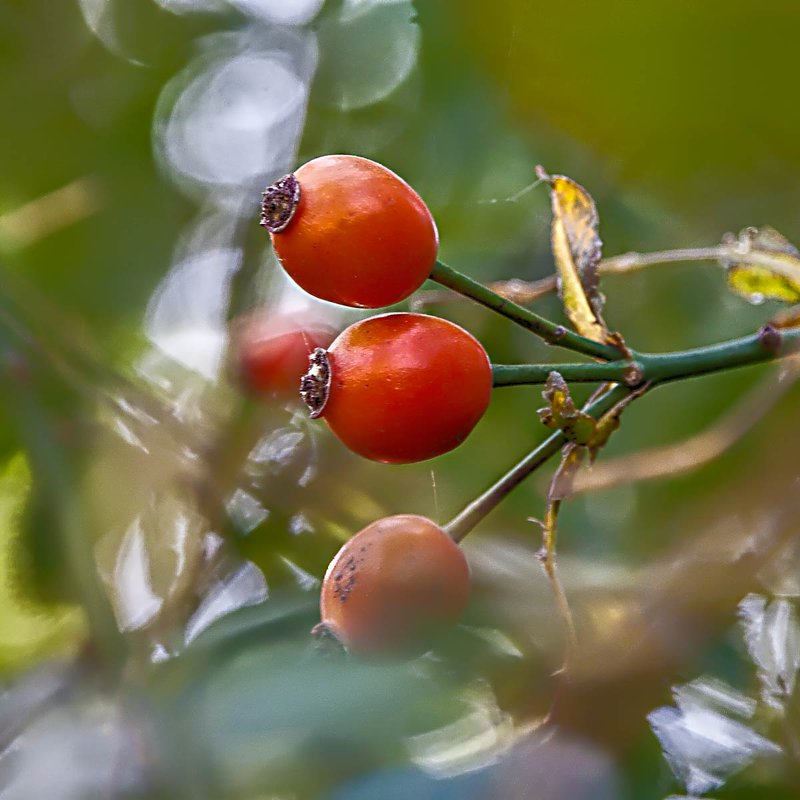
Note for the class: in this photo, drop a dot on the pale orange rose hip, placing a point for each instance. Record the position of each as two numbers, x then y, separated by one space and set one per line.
394 586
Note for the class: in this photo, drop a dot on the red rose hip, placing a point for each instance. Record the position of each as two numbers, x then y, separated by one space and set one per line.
271 352
350 231
400 387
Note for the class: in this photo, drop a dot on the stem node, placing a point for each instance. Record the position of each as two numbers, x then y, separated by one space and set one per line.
634 374
770 339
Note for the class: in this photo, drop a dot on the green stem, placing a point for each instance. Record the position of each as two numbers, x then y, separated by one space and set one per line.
516 374
766 345
472 514
551 332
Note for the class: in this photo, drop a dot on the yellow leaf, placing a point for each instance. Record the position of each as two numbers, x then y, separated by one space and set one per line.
577 250
766 266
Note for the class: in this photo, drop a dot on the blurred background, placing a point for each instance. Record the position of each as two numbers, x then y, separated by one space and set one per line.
163 535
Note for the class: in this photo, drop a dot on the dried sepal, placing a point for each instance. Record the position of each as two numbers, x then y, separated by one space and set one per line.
562 414
279 202
316 383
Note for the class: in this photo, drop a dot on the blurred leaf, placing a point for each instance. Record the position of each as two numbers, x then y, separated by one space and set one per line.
152 564
701 742
577 250
73 751
28 631
256 705
772 635
400 783
757 282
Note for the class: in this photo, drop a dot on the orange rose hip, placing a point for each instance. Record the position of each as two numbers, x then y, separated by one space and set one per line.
350 231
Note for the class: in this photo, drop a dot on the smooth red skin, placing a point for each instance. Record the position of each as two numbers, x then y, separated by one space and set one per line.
394 585
406 387
361 236
272 358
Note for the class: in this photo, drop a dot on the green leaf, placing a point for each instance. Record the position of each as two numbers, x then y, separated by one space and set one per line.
755 280
29 631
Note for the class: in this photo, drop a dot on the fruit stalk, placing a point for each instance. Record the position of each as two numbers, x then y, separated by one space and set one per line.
551 332
471 515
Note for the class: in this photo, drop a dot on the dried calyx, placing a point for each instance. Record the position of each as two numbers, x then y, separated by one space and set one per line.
315 384
279 202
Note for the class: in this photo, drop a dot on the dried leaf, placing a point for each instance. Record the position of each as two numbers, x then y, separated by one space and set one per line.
577 250
561 485
756 282
556 394
561 413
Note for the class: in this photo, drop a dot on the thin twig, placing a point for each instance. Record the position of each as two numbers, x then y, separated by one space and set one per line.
472 514
546 329
526 292
694 452
547 558
767 344
49 213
